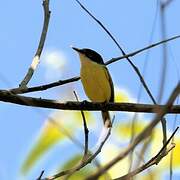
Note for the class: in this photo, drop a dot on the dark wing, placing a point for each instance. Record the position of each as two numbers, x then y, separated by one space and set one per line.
111 84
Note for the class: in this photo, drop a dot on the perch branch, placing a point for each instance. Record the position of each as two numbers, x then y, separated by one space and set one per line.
6 96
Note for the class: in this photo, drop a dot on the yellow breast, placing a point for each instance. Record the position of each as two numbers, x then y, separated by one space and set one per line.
95 80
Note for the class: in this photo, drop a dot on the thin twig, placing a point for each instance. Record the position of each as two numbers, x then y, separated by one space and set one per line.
6 96
133 128
37 55
141 50
40 176
144 72
166 3
145 133
141 153
153 161
86 131
43 87
164 67
164 55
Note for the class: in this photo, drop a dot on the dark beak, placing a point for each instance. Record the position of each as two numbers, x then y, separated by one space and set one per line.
77 49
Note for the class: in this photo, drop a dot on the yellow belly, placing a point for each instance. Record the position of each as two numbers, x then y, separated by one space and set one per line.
95 81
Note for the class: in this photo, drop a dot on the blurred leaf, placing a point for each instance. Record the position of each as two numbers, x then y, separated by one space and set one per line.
84 172
176 157
78 118
124 129
53 132
49 136
121 95
110 151
72 162
149 175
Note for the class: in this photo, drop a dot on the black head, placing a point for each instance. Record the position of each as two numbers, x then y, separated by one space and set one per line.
91 54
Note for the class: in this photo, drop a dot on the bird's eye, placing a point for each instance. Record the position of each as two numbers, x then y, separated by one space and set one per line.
89 55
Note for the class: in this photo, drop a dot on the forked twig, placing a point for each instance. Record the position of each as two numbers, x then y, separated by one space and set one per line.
82 163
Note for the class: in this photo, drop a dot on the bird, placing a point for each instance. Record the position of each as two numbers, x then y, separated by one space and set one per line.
96 80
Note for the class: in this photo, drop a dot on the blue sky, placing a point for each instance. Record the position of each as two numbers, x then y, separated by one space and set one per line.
131 22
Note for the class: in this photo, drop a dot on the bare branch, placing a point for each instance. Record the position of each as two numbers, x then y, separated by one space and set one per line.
145 133
43 87
141 50
6 96
37 55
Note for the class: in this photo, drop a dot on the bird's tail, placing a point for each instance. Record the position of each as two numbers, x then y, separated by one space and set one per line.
106 118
